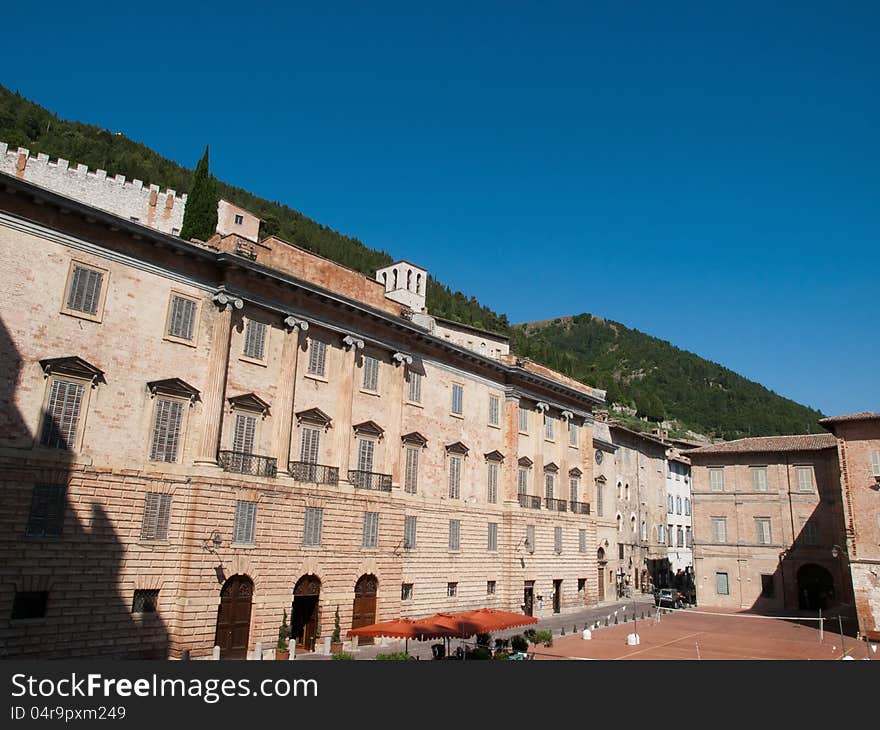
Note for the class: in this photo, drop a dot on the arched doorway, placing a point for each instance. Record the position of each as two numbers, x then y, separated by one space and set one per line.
234 617
815 587
364 610
304 611
600 557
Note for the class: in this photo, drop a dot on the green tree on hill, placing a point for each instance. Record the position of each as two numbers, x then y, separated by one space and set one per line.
200 214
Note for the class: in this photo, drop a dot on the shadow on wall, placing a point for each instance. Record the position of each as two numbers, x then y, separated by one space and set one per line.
61 595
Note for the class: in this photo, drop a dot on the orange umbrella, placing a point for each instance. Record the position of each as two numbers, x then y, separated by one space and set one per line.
480 621
401 628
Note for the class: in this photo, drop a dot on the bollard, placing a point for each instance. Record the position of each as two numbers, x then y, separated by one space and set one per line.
606 621
216 651
632 639
616 621
562 631
587 635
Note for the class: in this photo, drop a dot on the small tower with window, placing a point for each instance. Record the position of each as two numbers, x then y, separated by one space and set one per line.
404 283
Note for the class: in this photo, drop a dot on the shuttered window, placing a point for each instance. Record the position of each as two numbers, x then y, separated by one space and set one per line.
572 434
454 534
716 479
84 294
492 537
670 504
62 415
762 530
759 478
679 536
245 522
494 410
317 357
530 538
722 587
574 488
809 533
409 532
454 476
669 535
157 514
46 518
492 482
243 433
312 524
582 541
181 319
371 530
687 506
678 505
371 373
719 529
411 473
557 540
414 392
523 419
310 443
688 539
549 483
805 478
457 399
522 484
875 463
600 499
548 427
366 449
166 430
255 340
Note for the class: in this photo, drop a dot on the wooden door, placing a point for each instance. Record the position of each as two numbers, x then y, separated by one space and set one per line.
557 596
234 617
528 598
601 584
364 608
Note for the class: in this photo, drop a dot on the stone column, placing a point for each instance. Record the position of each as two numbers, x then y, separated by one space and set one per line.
216 385
287 391
346 394
394 414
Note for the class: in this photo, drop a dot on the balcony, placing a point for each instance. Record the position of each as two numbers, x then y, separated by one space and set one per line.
243 463
529 501
556 505
579 508
370 480
304 471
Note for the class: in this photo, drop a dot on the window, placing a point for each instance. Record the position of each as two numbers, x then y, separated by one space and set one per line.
678 505
574 488
454 534
549 483
722 587
670 504
875 463
492 537
181 318
366 450
548 427
406 591
643 533
809 533
457 398
29 604
688 538
492 482
494 410
166 430
679 536
530 538
582 541
255 340
669 535
687 506
804 478
239 219
522 484
661 534
145 600
313 523
490 587
454 476
411 472
245 522
84 290
600 499
317 357
582 585
409 532
719 529
523 419
759 478
371 373
768 589
414 390
46 518
762 530
243 433
620 551
61 419
572 434
716 479
310 444
451 590
371 530
157 515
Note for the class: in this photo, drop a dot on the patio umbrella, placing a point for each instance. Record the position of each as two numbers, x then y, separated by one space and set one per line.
402 628
463 624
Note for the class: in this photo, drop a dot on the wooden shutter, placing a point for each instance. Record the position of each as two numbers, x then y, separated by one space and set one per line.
415 387
572 434
245 522
493 410
371 529
243 436
157 515
411 476
523 420
574 487
182 318
492 486
409 532
805 478
493 536
716 479
166 430
457 398
317 356
599 499
371 373
582 540
62 415
255 340
548 427
314 518
530 536
454 534
46 517
454 476
548 486
310 443
522 484
366 449
557 539
85 290
875 463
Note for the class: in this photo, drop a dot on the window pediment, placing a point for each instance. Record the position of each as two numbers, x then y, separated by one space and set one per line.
415 438
368 428
494 456
457 448
551 467
575 472
174 387
74 367
525 461
249 402
315 416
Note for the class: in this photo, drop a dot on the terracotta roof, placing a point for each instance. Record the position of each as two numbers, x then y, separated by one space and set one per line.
805 442
864 416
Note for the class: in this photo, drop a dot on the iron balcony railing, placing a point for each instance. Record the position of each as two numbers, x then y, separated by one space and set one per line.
243 463
370 480
304 471
529 501
580 508
557 505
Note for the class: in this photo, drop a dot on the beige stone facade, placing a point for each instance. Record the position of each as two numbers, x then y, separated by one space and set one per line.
204 429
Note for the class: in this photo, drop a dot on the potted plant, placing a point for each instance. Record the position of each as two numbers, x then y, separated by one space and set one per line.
336 641
282 650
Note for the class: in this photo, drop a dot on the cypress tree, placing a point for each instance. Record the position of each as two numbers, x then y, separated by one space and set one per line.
200 214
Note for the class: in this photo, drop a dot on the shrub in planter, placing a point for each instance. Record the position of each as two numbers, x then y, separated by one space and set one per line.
541 637
281 648
336 639
342 656
481 652
519 643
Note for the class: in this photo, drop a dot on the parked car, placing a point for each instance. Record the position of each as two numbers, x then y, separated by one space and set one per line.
670 597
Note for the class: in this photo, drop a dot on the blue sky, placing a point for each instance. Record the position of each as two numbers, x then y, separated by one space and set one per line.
706 173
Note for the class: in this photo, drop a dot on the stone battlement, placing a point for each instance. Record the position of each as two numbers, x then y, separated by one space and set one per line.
132 199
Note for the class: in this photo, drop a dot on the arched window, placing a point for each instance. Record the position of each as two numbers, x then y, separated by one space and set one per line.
395 278
418 283
626 493
409 279
385 279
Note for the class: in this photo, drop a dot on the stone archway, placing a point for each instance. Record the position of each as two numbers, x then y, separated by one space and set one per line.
364 609
815 587
304 611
